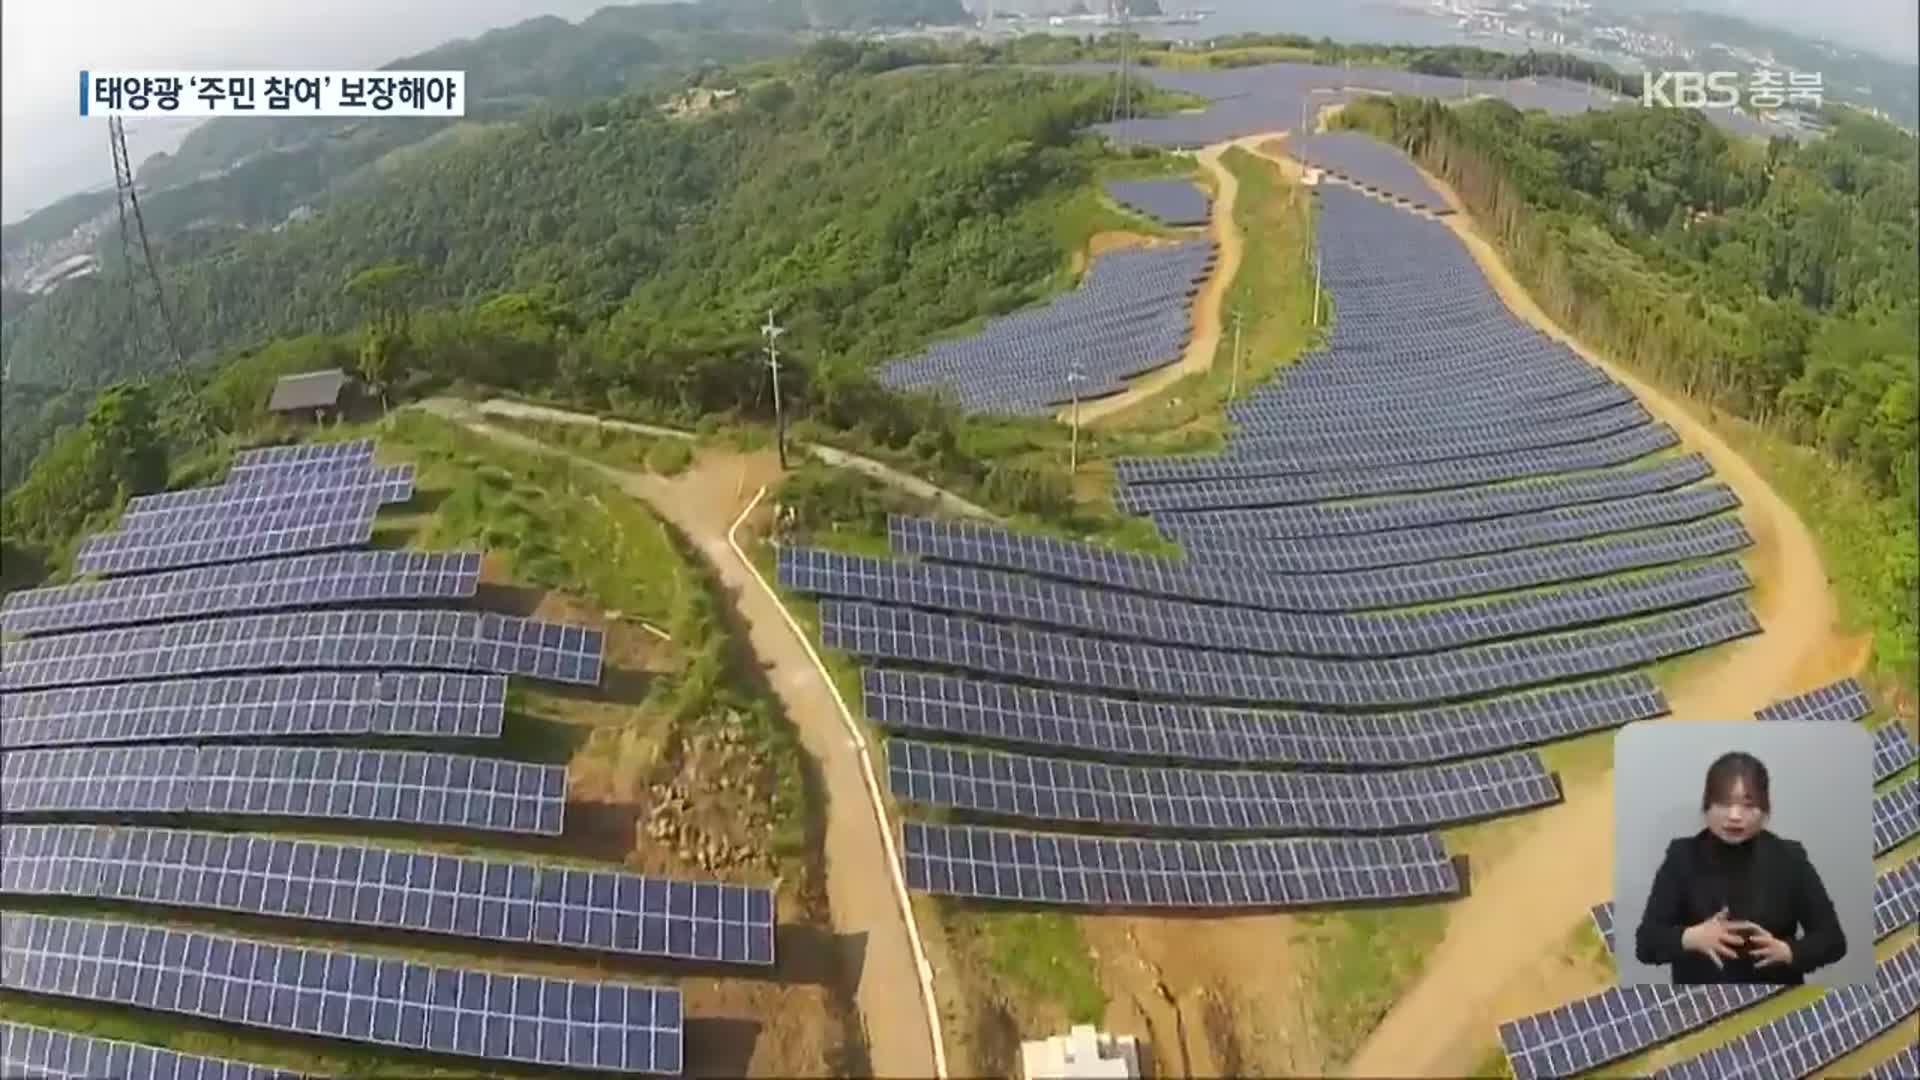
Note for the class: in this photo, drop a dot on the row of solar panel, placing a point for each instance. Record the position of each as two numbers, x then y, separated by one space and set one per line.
1052 868
391 484
46 1054
894 634
1456 540
1268 420
344 995
452 640
360 885
1170 202
1010 597
326 703
1259 459
1225 581
1435 509
1367 162
923 703
1625 1020
1600 453
265 585
373 786
1064 790
339 521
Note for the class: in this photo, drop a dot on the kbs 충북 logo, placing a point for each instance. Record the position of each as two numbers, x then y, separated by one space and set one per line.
1724 89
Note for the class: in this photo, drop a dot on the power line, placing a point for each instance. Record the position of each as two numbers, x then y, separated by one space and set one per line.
129 195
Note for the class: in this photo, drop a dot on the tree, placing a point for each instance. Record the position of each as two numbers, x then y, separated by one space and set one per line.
385 292
126 448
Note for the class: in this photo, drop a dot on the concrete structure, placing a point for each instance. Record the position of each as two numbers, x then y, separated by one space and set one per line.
1081 1054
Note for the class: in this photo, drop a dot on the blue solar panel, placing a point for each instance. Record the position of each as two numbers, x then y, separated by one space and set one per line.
323 524
420 891
332 703
359 997
1371 164
1214 800
1224 581
898 634
386 786
1011 597
448 640
1434 509
1842 701
1171 202
1023 716
30 1051
1896 816
1903 1065
252 466
1111 872
392 484
1893 750
270 584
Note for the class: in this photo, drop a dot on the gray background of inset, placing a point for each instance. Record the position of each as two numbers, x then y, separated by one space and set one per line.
1821 775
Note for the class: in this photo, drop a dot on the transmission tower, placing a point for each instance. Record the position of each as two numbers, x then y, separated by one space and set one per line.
1119 13
129 197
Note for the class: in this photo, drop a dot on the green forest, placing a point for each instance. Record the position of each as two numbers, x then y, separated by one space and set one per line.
1775 281
617 259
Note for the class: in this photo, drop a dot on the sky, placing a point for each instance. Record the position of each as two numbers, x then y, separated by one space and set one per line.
49 151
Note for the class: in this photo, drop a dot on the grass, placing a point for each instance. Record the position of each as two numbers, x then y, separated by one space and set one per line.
1040 956
1273 291
1360 961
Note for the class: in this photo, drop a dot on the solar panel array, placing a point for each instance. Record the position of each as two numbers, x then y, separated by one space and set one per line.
1844 701
903 635
1128 317
356 884
388 484
1621 1021
266 585
1171 202
1893 750
998 595
253 466
1817 1034
1044 868
1369 163
1896 816
1263 98
447 640
342 995
319 525
921 703
328 703
1207 800
27 1050
372 786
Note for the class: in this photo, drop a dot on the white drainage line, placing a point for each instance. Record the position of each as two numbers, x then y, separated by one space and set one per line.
924 969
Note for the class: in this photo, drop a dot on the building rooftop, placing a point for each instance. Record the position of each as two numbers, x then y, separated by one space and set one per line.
308 390
1081 1054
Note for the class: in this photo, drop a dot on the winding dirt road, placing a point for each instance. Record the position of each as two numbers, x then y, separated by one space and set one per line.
1525 904
1205 342
703 503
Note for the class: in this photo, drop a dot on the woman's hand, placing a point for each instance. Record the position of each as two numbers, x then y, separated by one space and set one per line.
1717 939
1770 951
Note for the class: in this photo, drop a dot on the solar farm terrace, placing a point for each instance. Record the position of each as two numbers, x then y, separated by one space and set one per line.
217 630
1390 596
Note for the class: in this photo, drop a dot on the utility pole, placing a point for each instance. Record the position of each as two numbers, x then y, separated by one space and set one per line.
1074 378
772 331
1233 387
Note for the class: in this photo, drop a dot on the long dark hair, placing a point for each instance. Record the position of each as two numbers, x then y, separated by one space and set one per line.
1736 766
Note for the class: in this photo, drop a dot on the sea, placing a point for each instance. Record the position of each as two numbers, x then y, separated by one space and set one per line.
1346 21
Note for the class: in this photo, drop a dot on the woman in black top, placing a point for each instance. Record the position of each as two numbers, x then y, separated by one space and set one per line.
1734 903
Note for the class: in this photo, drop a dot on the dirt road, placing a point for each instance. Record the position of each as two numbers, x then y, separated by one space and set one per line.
1524 905
1198 358
837 458
702 503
